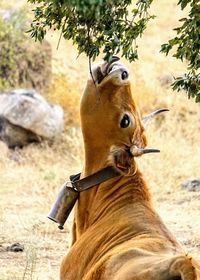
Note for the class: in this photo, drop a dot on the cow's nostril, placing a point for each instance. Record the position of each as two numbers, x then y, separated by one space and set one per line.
124 75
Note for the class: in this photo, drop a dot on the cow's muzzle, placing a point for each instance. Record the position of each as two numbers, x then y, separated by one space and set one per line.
104 70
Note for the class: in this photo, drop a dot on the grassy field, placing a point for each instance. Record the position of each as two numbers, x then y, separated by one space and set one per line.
30 178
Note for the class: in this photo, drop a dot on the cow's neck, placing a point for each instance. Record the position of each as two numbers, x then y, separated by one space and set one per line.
95 159
91 200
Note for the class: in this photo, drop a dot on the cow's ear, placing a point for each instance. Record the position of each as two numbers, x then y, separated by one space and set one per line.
123 160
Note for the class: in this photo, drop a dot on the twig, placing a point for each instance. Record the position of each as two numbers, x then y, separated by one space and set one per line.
90 64
61 33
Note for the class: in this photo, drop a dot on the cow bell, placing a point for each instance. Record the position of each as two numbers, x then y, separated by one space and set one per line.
63 205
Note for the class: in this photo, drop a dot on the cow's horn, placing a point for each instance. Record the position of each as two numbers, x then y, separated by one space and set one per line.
150 150
148 117
136 152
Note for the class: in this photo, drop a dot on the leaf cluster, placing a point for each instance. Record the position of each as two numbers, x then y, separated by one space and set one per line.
187 48
190 82
111 27
94 25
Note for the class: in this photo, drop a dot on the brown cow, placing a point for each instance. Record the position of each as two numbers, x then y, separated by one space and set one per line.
117 235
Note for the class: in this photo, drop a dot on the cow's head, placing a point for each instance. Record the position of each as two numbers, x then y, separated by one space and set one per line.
110 119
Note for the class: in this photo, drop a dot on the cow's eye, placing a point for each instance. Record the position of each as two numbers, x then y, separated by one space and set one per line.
125 121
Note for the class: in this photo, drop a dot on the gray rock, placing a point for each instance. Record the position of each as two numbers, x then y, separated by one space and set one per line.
26 114
192 184
16 247
15 136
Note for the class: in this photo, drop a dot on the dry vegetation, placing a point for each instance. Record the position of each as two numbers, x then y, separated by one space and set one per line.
30 177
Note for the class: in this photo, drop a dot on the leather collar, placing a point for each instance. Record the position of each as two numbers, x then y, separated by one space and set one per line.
92 180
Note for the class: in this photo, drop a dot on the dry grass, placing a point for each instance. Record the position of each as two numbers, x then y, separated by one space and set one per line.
30 177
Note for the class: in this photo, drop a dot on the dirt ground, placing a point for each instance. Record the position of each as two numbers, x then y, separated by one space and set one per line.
30 178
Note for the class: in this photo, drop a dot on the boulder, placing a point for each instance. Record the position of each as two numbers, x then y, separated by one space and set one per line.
25 116
192 184
15 136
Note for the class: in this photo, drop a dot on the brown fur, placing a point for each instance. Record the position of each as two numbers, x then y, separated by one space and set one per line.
117 235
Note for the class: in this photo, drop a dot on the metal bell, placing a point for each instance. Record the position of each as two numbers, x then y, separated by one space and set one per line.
63 205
